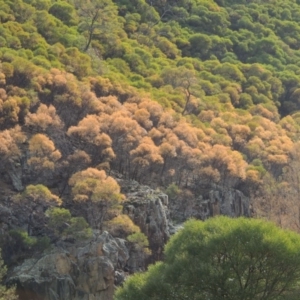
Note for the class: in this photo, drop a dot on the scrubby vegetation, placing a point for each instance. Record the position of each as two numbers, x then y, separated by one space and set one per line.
183 94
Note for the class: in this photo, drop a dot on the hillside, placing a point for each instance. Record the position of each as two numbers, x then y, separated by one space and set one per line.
185 96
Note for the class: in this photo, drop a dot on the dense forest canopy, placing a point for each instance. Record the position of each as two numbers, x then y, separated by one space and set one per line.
184 94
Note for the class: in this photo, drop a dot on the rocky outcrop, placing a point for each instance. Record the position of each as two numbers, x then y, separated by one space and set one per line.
215 201
72 272
5 215
90 271
148 209
15 174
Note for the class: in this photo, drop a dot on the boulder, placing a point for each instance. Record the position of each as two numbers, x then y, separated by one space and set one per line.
70 272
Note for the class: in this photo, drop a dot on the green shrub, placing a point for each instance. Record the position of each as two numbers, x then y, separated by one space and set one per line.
172 190
139 239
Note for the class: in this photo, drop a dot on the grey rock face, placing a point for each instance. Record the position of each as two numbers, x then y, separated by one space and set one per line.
148 209
15 174
5 216
216 201
83 273
90 271
5 213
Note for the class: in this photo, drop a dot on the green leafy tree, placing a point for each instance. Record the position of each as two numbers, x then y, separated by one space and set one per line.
140 241
172 191
18 245
184 79
34 200
200 45
64 225
97 16
223 258
63 11
39 194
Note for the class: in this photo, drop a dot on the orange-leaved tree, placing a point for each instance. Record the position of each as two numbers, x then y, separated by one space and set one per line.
10 153
43 157
92 140
99 193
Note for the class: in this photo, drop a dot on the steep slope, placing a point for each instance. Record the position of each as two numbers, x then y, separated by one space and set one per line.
189 96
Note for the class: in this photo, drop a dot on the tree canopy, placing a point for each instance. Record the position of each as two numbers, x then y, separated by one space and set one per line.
222 258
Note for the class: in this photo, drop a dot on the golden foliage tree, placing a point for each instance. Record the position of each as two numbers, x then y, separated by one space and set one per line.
99 193
145 157
43 156
92 140
11 141
44 120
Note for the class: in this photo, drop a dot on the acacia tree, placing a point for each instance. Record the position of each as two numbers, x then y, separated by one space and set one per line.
223 258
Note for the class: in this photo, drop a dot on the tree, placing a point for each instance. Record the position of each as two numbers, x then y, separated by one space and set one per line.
33 201
64 12
125 133
43 157
99 192
145 157
182 78
121 226
200 44
44 120
40 194
61 222
97 16
230 164
10 153
223 258
96 143
75 162
5 294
